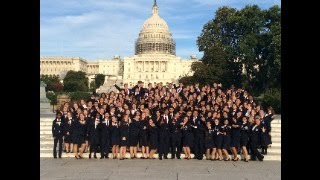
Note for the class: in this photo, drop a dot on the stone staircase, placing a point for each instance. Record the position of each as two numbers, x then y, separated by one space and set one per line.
46 141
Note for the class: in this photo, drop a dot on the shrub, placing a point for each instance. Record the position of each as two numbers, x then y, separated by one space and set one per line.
272 97
76 96
52 97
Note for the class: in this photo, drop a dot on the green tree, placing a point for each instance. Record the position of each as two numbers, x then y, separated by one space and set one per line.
99 80
75 81
250 39
53 83
214 67
93 86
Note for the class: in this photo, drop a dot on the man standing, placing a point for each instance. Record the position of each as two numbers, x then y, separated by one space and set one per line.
57 133
199 134
255 136
175 136
164 135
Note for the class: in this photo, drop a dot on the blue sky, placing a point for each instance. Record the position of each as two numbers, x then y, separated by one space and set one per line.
100 29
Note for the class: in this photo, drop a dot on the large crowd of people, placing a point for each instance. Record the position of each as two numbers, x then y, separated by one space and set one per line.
212 122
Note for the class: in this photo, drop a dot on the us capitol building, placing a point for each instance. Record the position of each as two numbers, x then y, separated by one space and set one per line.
154 61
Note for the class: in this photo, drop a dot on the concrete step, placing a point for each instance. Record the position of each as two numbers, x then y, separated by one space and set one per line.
46 119
274 125
276 134
46 123
46 132
276 139
45 128
49 154
274 150
275 130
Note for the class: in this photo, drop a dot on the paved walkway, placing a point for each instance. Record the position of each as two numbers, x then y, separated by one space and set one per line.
70 168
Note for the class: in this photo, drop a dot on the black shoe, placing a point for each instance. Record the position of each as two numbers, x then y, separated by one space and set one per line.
178 158
142 158
172 157
106 156
95 156
121 159
160 158
59 157
101 157
55 157
261 159
89 156
165 157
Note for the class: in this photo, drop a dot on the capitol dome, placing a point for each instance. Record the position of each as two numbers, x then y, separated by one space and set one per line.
155 36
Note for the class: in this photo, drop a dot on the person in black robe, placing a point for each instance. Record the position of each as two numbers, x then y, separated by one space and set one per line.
153 138
124 136
115 136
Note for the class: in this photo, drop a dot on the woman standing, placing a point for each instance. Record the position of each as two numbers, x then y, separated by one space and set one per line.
115 137
68 133
209 139
235 138
144 136
153 138
187 137
79 132
244 138
217 138
94 135
134 136
124 136
226 130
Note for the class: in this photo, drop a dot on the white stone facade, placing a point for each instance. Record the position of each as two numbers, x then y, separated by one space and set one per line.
154 61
